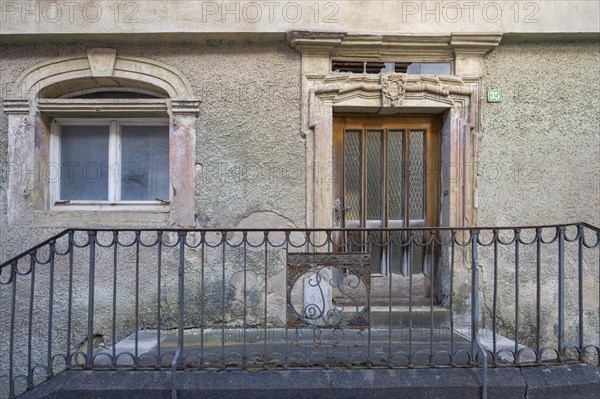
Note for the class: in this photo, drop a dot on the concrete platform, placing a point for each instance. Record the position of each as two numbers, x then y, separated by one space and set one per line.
283 348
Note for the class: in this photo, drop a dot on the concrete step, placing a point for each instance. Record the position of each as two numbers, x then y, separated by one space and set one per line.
556 382
424 317
415 316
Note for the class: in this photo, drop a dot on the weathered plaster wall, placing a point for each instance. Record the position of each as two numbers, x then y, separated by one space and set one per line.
250 172
539 163
13 60
250 149
539 151
250 154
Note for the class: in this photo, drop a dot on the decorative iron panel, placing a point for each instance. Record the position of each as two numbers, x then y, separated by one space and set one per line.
338 286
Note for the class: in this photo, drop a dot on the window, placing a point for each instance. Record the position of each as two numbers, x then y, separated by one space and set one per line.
110 161
111 140
410 68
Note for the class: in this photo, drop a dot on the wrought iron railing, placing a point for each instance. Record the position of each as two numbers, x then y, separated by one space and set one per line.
298 298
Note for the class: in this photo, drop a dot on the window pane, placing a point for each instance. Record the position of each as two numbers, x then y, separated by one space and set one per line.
115 95
84 163
144 163
411 68
416 180
395 174
374 175
429 68
436 68
352 174
414 68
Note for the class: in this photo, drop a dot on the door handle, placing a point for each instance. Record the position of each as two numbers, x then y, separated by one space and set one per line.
338 213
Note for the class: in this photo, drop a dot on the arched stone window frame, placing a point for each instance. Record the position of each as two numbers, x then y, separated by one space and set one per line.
38 96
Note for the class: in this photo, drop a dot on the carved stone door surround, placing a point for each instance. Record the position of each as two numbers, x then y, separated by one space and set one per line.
455 97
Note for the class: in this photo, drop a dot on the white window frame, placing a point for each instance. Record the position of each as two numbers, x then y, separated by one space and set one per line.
114 162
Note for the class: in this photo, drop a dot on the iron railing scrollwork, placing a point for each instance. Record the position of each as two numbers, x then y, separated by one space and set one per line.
329 293
216 299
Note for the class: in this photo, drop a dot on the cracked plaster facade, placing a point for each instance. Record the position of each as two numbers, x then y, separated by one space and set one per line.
264 113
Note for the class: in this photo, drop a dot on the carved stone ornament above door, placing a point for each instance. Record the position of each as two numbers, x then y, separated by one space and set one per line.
393 87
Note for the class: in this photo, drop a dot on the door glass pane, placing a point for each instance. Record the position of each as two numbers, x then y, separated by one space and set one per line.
373 175
84 163
394 170
144 163
416 178
405 180
352 174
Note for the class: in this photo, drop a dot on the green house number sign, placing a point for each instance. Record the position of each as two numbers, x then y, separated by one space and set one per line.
494 95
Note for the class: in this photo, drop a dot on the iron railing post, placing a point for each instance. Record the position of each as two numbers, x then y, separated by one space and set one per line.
114 297
50 307
451 300
180 309
495 295
223 265
244 316
561 292
475 313
202 290
410 298
89 360
159 241
474 291
580 287
517 235
71 245
32 268
137 298
598 244
11 342
538 292
265 363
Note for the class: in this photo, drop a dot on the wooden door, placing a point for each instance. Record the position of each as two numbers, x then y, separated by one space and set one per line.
387 176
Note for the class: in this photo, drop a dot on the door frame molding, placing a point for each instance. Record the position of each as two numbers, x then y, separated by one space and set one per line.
455 97
458 113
